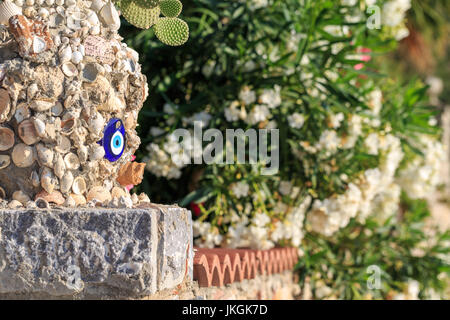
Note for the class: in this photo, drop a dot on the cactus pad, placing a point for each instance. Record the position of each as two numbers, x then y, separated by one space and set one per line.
138 15
172 31
171 8
147 3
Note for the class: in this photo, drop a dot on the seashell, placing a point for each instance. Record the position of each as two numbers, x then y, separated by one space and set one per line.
6 138
2 193
77 57
144 198
75 19
97 153
68 125
57 109
79 185
65 54
32 90
29 12
131 173
14 204
92 18
45 155
96 123
49 2
23 156
72 162
5 104
32 36
35 179
99 48
117 192
63 144
27 132
69 69
5 161
99 193
60 167
41 105
7 10
22 112
66 182
125 202
79 199
83 153
39 126
50 130
21 196
42 203
134 198
110 16
70 202
53 197
97 5
48 181
95 30
43 13
90 72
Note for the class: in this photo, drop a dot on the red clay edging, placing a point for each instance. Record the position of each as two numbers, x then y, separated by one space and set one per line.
217 267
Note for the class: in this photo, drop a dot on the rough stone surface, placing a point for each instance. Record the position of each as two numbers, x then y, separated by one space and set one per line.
92 253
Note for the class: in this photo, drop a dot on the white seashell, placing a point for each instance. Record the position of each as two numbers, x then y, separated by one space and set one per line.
49 2
39 44
40 127
95 30
77 57
144 198
41 105
32 90
5 161
59 2
67 126
23 156
66 182
70 202
110 16
35 179
79 185
97 153
57 40
19 3
96 123
69 69
65 54
125 202
29 12
7 10
45 155
27 132
22 112
29 2
60 167
48 181
70 3
83 153
43 13
82 50
72 162
21 196
14 204
6 138
134 198
97 5
63 144
99 193
39 2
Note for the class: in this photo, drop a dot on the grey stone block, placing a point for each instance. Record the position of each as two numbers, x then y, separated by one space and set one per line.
92 253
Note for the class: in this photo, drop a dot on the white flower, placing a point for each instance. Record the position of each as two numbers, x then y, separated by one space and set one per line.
259 113
336 119
296 120
202 118
375 101
371 143
208 68
271 97
234 113
328 141
394 11
247 96
260 220
240 189
285 187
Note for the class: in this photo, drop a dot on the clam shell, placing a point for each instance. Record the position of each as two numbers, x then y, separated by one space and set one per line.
70 202
72 161
45 155
97 153
63 144
22 112
21 196
35 179
79 185
79 199
14 204
83 154
23 156
66 182
67 126
27 132
69 69
52 197
39 126
90 72
57 109
7 10
60 167
97 5
48 181
41 105
5 161
42 203
65 54
6 138
96 123
99 193
4 104
110 16
117 192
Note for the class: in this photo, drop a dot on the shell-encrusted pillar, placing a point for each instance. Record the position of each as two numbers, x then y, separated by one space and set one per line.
70 93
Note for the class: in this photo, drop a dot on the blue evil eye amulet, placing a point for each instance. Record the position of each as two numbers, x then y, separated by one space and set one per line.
114 140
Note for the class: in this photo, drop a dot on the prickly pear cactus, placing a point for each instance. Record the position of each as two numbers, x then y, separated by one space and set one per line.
70 93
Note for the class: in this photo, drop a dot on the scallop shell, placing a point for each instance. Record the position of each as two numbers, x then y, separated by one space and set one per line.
6 138
41 105
66 182
5 161
110 16
79 185
72 161
99 193
48 181
27 132
60 167
4 104
45 155
51 197
69 69
21 196
7 10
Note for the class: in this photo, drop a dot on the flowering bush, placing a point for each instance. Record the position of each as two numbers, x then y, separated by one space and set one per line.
350 139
